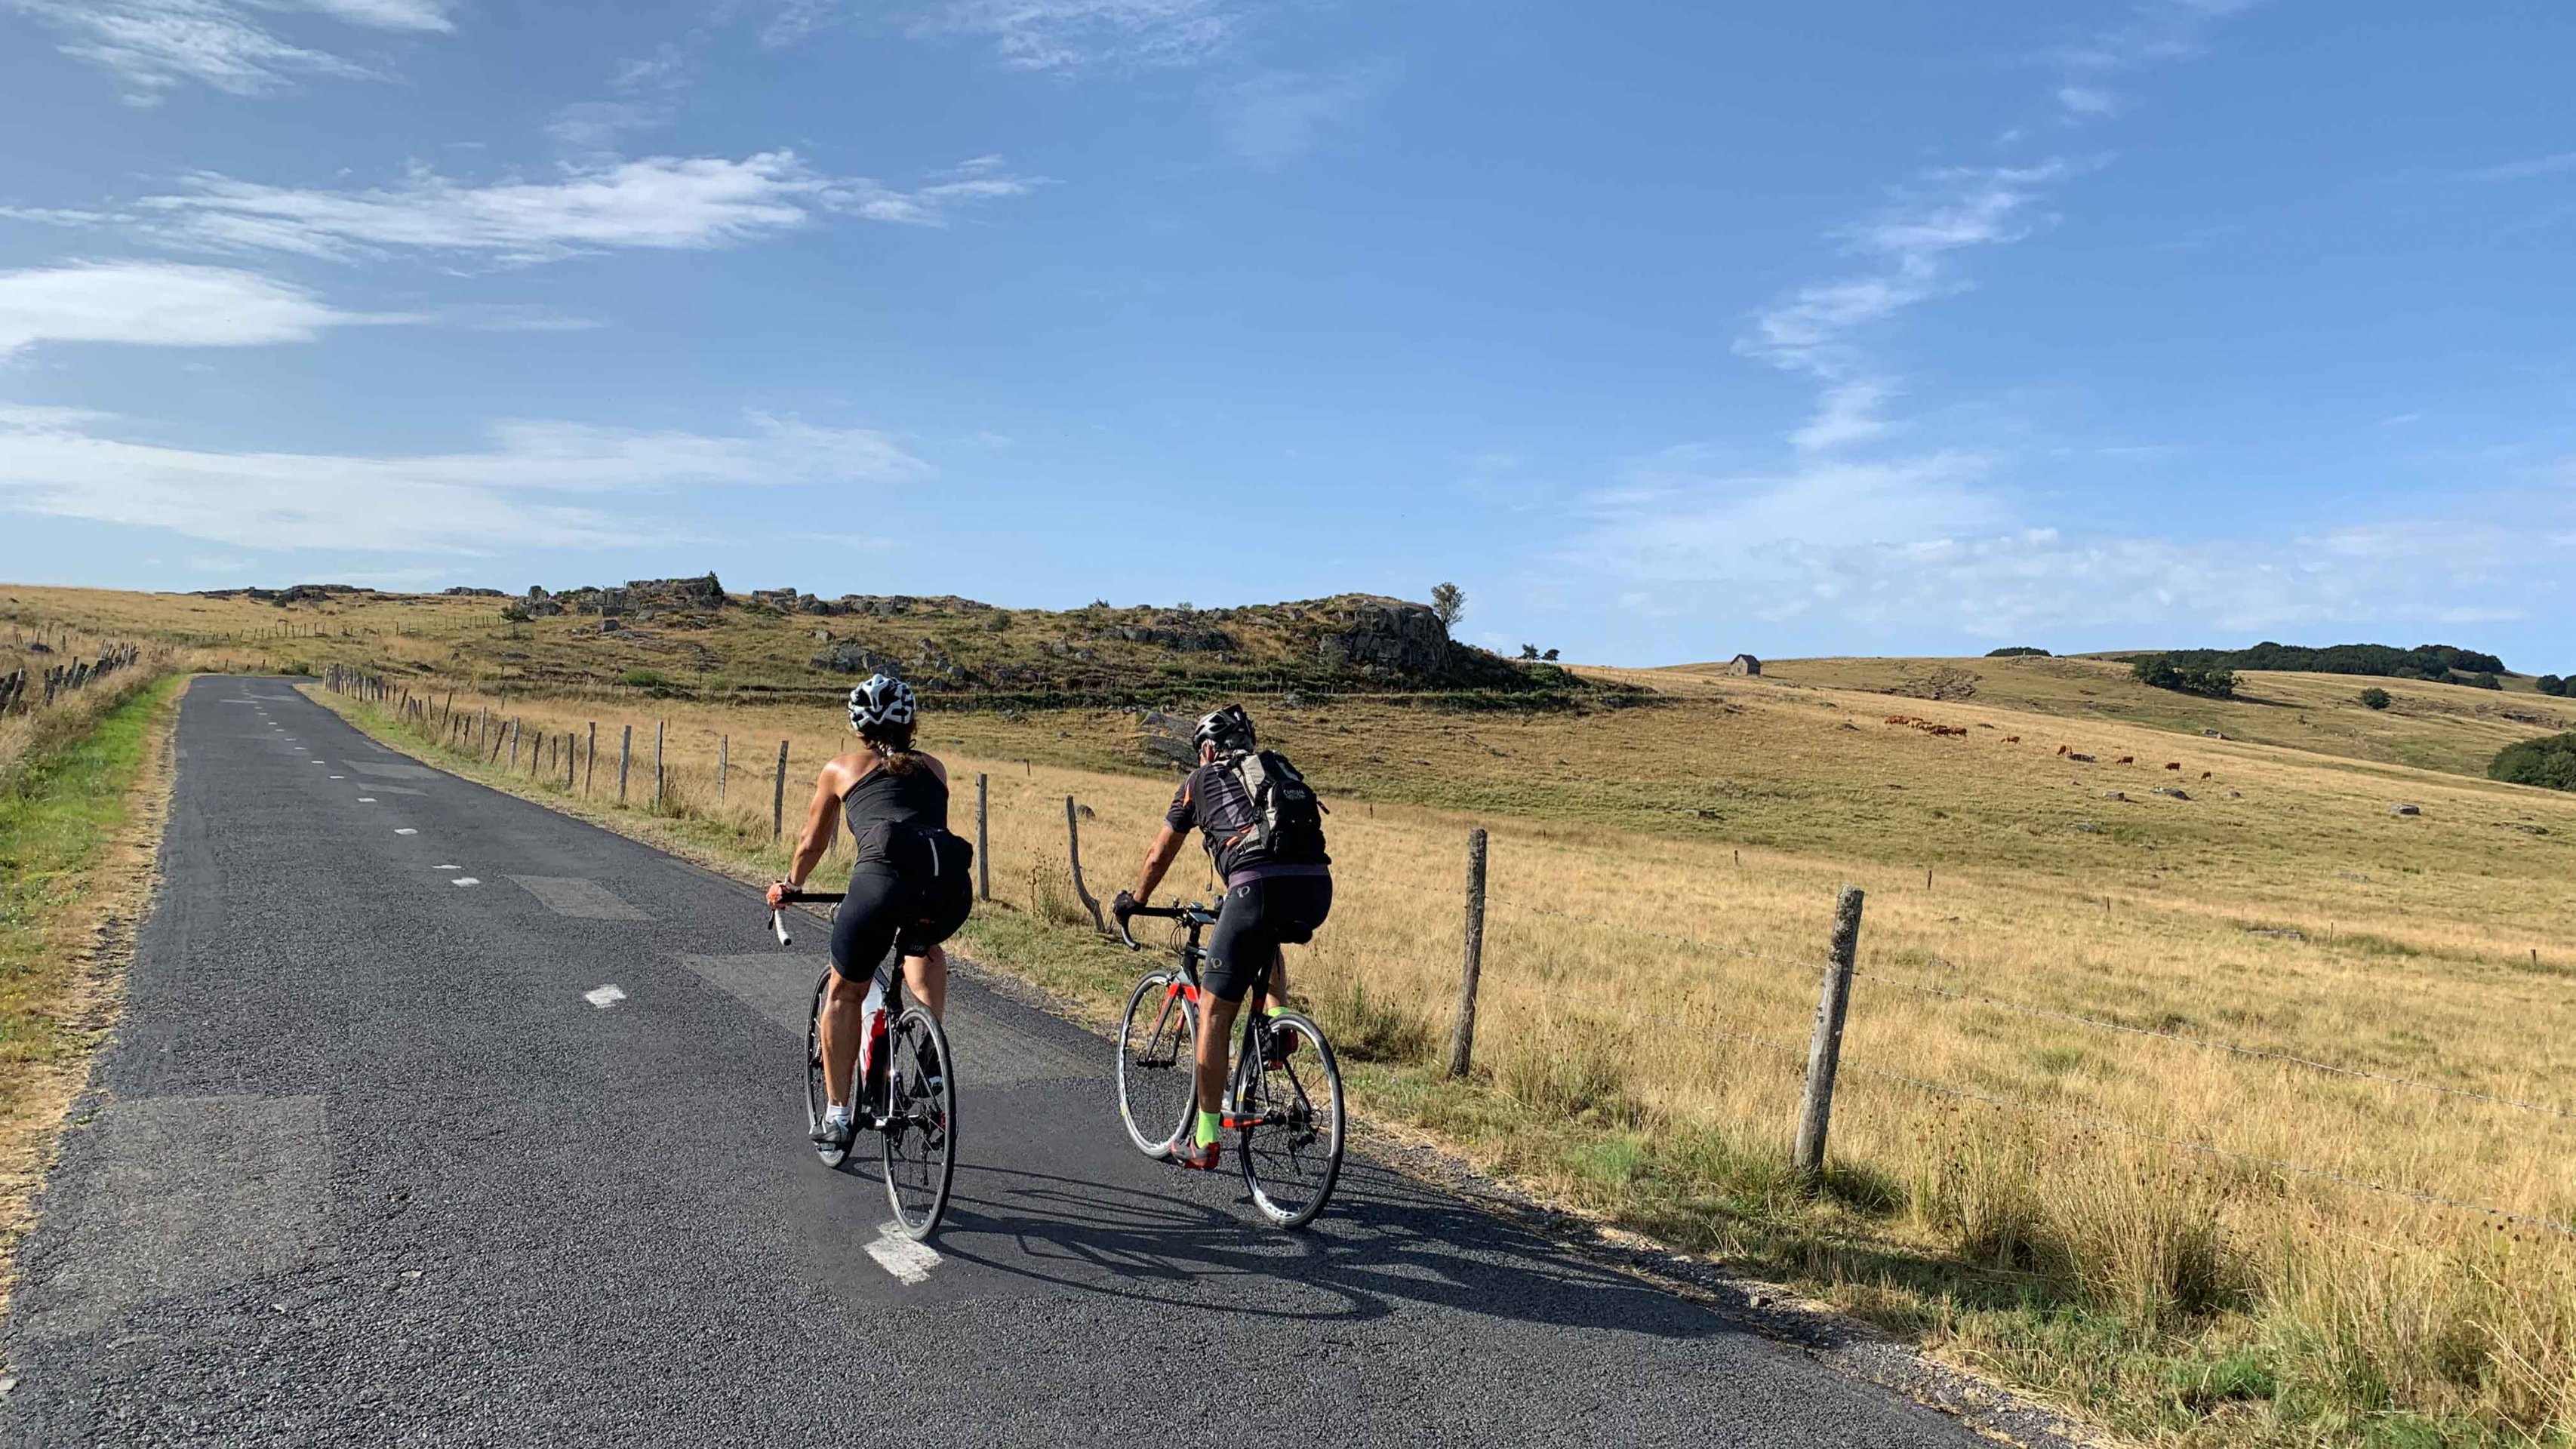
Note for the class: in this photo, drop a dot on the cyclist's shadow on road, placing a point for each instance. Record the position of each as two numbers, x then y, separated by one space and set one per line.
1382 1243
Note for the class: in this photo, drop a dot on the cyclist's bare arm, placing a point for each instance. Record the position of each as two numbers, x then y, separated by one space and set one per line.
822 820
1158 859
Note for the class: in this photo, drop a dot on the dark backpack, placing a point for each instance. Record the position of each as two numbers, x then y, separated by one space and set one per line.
1287 815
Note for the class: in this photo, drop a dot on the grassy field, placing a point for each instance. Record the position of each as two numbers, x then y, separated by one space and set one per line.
2183 1243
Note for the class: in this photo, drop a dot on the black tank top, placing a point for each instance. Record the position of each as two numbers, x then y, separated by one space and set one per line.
885 806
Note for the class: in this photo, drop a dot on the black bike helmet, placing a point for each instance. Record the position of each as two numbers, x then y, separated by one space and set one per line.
883 700
1227 729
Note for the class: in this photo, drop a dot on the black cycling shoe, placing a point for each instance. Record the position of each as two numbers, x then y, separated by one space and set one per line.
835 1133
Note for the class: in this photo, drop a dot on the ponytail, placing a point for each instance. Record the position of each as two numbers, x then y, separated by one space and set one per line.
893 745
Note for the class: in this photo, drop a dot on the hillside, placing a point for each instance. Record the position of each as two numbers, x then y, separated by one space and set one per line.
2452 728
689 637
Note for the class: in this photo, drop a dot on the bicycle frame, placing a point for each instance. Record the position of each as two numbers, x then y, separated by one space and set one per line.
872 1027
1197 918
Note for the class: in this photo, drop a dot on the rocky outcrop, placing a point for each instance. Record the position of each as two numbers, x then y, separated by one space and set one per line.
1187 641
849 656
1387 636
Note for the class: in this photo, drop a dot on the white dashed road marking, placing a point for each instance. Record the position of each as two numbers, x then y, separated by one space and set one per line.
366 799
447 867
906 1259
335 777
465 880
406 830
604 997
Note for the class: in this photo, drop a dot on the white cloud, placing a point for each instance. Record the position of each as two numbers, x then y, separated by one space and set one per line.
538 484
154 46
1846 414
1081 34
2524 170
1276 118
2086 100
1810 330
662 202
160 304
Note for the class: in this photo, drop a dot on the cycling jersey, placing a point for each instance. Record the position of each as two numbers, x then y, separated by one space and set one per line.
1212 800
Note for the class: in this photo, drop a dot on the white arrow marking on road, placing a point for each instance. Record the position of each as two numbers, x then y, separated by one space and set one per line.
406 830
464 880
906 1259
604 997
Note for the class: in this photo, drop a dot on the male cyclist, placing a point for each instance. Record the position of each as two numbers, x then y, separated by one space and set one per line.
909 886
1264 834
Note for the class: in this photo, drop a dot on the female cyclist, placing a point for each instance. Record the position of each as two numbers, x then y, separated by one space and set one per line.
910 888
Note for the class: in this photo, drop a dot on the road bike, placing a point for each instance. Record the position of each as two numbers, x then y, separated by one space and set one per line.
1287 1118
905 1083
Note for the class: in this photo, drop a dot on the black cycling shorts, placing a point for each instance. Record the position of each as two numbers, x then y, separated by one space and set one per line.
886 910
1258 918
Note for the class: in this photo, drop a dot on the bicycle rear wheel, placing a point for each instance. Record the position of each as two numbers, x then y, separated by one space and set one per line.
816 1099
1157 1062
921 1121
1290 1143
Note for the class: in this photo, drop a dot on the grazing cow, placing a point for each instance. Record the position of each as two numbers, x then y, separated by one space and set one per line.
2061 749
2128 759
2204 774
2012 739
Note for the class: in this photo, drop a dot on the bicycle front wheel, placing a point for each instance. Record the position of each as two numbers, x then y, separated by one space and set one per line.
921 1121
1288 1100
1157 1062
815 1098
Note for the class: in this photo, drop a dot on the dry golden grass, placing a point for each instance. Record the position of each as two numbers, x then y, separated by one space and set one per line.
1648 991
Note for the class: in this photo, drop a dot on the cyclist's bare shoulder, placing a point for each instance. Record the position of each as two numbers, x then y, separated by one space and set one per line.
842 772
935 766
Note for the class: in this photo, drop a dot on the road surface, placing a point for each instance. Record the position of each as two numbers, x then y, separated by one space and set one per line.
367 1162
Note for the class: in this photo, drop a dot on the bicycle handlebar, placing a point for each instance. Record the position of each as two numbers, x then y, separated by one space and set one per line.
1125 908
777 917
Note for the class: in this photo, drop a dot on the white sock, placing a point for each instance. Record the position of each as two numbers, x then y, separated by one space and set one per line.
836 1112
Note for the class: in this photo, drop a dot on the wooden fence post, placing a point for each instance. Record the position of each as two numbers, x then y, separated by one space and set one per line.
590 760
724 763
657 766
778 796
983 843
572 756
625 752
1825 1049
1462 1037
1073 848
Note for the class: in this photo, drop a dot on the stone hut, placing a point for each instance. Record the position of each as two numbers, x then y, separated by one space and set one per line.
1744 664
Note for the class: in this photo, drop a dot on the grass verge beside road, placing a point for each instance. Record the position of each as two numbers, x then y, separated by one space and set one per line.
80 827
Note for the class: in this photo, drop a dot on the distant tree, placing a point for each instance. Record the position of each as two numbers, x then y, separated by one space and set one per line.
1529 651
1450 603
2485 679
1549 656
2374 698
2551 684
1185 607
2189 676
2550 761
2017 651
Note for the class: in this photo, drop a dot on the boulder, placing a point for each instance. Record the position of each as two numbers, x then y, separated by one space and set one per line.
2405 809
849 656
1387 635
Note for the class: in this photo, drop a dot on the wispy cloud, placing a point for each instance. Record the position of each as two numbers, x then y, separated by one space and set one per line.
663 202
2564 161
1274 119
537 484
161 304
1949 211
2152 32
154 46
1065 35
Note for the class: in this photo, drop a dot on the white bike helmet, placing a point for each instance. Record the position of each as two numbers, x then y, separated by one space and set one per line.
883 700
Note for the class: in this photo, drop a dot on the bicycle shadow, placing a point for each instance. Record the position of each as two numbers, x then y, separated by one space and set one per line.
1384 1242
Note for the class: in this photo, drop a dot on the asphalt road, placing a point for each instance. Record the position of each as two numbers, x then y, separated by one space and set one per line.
364 1163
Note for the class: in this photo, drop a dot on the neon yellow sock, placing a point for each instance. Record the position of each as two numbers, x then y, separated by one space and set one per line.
1211 1126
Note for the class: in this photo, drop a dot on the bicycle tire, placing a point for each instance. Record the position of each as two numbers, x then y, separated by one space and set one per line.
1290 1164
921 1109
1157 1064
816 1097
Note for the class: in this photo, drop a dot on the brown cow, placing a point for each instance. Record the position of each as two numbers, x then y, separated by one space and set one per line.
2174 765
2128 759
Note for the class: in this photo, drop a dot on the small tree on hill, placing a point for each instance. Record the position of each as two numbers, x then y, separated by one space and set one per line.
2550 761
2374 698
1450 603
2551 684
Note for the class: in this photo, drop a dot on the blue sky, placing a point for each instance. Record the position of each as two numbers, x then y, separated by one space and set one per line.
1664 330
